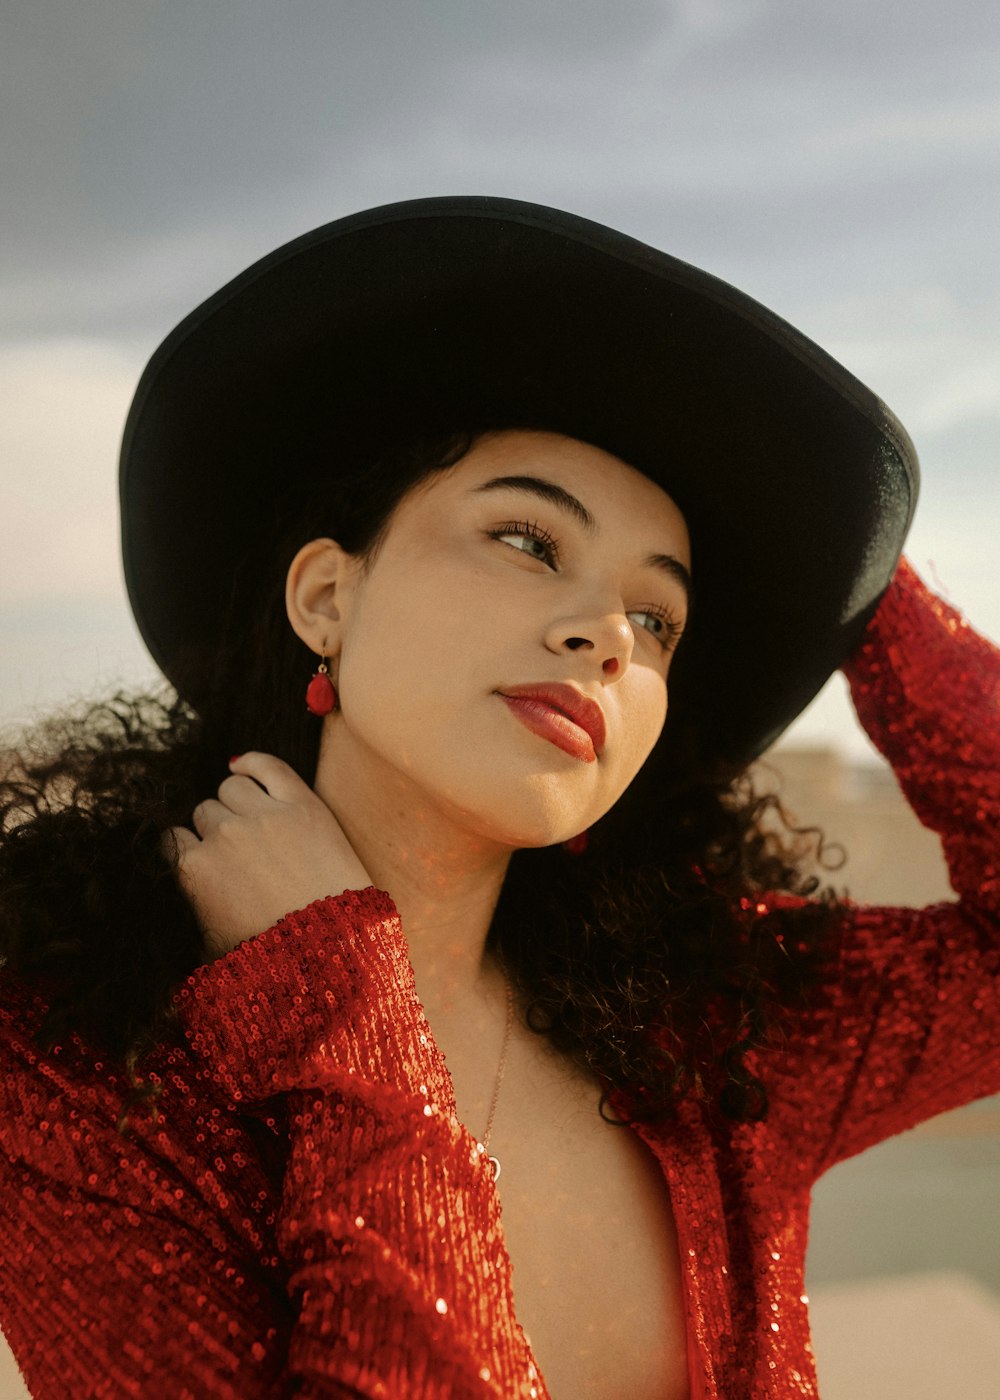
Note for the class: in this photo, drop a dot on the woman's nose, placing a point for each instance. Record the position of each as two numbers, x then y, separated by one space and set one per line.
609 638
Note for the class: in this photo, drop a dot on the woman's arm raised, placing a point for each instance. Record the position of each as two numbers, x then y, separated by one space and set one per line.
907 1024
926 687
323 1007
151 1259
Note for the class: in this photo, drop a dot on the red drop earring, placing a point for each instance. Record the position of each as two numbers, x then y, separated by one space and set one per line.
321 697
576 845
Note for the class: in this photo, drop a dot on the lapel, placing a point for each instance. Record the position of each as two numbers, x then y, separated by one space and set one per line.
687 1158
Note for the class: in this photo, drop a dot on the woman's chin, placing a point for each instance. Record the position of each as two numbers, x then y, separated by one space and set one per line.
521 814
524 836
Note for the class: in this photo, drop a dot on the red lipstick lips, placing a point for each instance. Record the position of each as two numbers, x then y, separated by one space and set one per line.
561 714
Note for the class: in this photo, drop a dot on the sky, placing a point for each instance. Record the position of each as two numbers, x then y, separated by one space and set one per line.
839 163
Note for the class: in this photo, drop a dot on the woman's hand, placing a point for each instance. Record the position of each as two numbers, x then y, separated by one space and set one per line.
263 852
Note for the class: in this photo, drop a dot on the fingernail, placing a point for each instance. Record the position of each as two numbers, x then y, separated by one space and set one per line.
236 757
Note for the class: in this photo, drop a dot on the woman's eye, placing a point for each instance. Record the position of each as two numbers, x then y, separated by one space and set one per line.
528 539
661 625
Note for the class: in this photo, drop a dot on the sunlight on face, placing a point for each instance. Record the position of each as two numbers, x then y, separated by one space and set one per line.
536 560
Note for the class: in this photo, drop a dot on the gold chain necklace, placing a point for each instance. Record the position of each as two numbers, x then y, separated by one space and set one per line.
481 1147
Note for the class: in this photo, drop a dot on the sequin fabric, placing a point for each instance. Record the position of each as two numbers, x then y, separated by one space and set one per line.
309 1218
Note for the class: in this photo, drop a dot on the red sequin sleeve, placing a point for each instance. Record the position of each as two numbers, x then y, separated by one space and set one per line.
360 1255
389 1225
908 1023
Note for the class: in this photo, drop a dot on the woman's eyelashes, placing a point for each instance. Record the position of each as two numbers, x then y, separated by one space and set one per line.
668 630
543 546
546 545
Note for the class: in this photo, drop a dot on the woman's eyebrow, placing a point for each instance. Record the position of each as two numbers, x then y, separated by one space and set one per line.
558 496
548 490
674 569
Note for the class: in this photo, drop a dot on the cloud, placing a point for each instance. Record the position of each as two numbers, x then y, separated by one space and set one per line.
939 131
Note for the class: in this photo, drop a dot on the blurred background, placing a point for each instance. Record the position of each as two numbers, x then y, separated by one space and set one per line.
839 163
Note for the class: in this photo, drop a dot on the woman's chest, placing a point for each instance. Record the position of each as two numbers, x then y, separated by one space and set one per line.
588 1225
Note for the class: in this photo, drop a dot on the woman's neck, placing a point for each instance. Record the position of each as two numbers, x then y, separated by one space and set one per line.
444 880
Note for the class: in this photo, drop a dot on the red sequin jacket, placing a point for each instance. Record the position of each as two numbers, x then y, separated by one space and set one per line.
309 1218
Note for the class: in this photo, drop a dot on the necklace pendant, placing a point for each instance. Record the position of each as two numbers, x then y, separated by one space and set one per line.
495 1161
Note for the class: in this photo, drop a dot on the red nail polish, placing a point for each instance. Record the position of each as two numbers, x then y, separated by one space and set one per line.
235 757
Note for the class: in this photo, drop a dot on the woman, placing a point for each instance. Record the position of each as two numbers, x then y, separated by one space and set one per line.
494 546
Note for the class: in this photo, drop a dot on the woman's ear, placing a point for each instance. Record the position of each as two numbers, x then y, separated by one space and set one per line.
318 590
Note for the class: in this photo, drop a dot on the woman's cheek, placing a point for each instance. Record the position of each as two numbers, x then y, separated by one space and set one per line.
649 726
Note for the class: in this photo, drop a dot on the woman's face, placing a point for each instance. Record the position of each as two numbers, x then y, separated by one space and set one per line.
536 560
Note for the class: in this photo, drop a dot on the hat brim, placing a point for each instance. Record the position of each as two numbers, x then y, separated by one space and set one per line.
798 484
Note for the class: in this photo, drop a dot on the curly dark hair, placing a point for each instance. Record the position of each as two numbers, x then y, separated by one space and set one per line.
643 960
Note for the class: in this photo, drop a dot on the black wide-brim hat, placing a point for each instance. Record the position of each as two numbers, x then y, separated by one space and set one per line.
798 484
